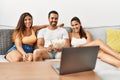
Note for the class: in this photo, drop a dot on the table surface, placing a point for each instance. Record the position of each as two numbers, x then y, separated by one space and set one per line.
39 71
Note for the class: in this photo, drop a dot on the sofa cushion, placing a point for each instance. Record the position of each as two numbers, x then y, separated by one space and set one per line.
5 40
113 39
100 32
97 32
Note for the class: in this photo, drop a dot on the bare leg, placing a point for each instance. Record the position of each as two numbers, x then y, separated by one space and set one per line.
14 56
104 47
40 54
109 59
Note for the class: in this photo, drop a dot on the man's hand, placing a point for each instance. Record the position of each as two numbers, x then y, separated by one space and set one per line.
58 50
50 48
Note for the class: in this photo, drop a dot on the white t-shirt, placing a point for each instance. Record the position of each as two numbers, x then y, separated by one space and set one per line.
49 35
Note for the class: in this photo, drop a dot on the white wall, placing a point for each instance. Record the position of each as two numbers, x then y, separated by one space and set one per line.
91 12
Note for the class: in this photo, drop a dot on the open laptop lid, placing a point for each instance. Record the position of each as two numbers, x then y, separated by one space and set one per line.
78 59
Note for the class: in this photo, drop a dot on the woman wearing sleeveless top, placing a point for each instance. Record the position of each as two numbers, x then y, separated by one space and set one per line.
79 37
24 39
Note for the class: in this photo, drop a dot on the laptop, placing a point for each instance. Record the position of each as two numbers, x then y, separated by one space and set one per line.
77 59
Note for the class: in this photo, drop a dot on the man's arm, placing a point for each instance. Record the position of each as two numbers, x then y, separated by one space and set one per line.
38 27
40 43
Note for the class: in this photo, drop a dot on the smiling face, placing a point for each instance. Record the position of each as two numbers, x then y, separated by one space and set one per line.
28 21
75 26
53 19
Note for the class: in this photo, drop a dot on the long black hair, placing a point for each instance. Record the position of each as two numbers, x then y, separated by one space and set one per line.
81 32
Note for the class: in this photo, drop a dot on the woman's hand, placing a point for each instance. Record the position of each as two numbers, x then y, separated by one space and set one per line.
25 57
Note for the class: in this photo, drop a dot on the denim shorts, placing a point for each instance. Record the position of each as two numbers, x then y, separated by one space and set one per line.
54 54
26 48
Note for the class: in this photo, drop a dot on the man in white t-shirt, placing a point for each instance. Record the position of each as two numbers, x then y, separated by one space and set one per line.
46 35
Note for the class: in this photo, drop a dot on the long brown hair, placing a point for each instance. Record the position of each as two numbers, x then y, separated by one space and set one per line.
20 28
81 32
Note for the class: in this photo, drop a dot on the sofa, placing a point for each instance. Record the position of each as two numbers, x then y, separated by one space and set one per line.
104 70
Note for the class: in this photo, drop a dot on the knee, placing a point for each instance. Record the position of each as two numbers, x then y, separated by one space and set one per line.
99 40
36 52
14 58
18 59
37 55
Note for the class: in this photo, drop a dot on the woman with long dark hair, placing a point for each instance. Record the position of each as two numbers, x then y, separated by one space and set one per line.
79 37
24 39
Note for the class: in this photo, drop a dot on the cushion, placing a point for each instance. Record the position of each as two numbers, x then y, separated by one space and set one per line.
113 39
5 40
